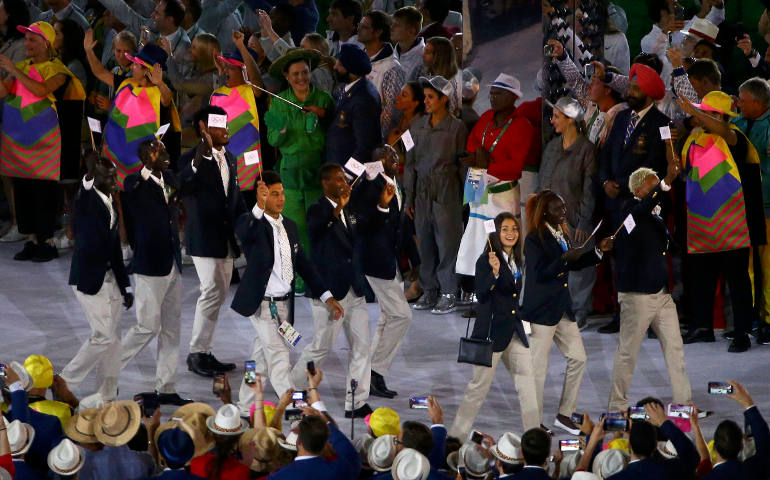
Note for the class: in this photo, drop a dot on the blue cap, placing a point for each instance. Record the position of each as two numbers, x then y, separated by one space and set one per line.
355 60
176 447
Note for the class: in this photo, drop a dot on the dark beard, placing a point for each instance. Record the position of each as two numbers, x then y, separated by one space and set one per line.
636 103
342 77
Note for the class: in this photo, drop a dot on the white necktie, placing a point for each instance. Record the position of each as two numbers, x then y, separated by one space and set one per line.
287 272
224 170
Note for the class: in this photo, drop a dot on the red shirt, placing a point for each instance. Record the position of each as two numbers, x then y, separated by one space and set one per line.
6 462
231 470
512 150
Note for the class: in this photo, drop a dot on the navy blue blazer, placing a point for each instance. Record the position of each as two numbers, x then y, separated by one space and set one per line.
381 232
546 289
97 246
646 469
210 215
498 303
641 255
355 130
26 472
644 149
256 236
532 473
346 466
48 431
754 467
333 250
152 223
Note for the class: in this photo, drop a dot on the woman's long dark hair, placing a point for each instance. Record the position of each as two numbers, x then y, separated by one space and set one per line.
418 95
18 14
497 245
72 44
224 447
536 209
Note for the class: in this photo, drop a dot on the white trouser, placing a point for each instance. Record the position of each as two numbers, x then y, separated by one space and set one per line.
518 361
214 275
394 321
270 353
475 237
102 349
356 325
158 314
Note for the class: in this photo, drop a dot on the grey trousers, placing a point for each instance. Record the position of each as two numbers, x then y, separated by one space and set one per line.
439 229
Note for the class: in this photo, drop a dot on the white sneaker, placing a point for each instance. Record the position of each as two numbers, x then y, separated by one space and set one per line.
13 235
568 428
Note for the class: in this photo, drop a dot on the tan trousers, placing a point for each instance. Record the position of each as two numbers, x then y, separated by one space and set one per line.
566 336
158 314
518 361
270 353
394 321
214 275
638 312
355 323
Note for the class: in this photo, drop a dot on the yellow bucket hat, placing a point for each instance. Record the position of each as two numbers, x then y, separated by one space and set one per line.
384 421
40 369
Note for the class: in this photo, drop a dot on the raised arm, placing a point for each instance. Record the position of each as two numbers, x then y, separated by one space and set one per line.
104 75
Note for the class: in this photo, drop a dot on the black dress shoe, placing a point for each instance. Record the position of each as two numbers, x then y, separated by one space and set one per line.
359 412
378 388
740 343
172 399
198 364
218 366
547 430
45 253
612 327
730 334
26 253
698 335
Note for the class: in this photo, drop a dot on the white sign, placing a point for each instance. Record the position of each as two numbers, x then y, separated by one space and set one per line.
489 226
355 166
94 125
629 223
162 130
665 133
406 137
217 121
388 179
373 169
251 158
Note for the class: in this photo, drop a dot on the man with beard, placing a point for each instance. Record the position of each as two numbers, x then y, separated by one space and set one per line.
633 142
355 130
213 201
152 210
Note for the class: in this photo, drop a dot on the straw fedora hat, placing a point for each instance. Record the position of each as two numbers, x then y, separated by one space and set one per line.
20 436
117 423
381 453
66 458
195 407
80 427
227 421
203 439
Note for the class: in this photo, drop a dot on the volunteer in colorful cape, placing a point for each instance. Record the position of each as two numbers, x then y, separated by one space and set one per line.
31 136
725 216
239 101
498 278
498 145
142 104
300 136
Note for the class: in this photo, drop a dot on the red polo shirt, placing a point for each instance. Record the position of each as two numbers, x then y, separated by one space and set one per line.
512 150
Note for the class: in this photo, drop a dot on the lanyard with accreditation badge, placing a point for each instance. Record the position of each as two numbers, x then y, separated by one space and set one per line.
499 136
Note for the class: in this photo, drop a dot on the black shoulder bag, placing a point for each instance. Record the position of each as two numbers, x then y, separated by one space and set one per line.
476 351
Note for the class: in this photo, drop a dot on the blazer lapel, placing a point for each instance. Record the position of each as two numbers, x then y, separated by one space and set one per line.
157 190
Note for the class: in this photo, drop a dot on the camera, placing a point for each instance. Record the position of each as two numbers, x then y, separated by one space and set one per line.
250 375
299 399
637 413
418 402
291 415
547 50
219 383
577 418
571 445
613 424
590 70
476 437
720 388
676 410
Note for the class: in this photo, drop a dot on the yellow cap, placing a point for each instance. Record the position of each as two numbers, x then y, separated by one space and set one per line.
40 369
384 421
44 29
712 452
717 101
620 444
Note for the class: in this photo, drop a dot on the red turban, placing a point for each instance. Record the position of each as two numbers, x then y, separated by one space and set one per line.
648 80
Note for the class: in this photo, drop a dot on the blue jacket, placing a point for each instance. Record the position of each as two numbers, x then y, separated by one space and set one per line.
532 473
499 304
755 467
26 472
48 431
355 130
346 466
683 466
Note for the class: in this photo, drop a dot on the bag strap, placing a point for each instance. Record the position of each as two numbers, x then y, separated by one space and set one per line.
489 331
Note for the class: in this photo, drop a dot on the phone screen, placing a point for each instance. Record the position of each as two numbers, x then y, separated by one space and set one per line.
219 383
720 388
299 399
615 424
676 410
250 375
418 402
291 415
572 445
3 368
637 413
577 418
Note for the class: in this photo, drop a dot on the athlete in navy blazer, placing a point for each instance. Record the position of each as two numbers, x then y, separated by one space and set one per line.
355 129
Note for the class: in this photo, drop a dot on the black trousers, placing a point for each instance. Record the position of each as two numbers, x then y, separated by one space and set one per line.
703 274
36 206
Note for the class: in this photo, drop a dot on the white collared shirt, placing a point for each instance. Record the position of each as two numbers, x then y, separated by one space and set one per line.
350 85
146 174
276 286
107 199
218 156
342 212
643 112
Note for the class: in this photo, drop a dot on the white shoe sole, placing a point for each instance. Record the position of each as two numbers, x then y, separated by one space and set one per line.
557 423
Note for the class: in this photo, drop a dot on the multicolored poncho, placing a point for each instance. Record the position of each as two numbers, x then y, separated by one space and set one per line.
30 144
716 209
134 117
243 123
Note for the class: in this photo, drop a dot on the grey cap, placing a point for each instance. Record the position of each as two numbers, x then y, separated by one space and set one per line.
617 17
438 83
569 107
471 77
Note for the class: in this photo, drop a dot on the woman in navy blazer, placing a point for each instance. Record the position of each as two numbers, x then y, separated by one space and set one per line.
498 284
547 303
